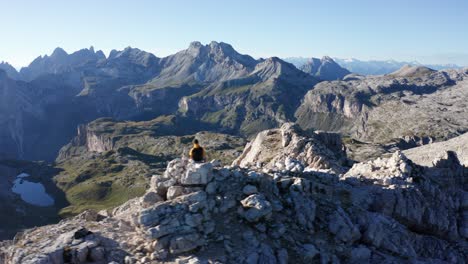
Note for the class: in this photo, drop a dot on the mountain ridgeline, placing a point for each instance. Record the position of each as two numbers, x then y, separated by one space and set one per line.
220 89
57 93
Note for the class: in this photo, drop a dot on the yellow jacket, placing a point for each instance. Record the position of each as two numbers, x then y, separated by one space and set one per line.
193 152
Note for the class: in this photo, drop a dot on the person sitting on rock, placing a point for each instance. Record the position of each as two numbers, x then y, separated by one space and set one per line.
197 153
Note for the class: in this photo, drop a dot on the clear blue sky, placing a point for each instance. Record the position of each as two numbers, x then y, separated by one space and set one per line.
430 31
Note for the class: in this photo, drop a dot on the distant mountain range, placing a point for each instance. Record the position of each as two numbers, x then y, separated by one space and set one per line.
372 67
211 83
212 86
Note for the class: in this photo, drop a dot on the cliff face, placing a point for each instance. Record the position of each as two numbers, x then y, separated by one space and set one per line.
87 140
384 210
98 143
15 107
288 148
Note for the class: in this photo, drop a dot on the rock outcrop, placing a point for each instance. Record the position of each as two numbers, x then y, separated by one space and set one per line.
428 154
389 210
287 148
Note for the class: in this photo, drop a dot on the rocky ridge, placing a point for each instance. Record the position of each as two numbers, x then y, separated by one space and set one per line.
386 210
58 62
382 108
10 70
429 154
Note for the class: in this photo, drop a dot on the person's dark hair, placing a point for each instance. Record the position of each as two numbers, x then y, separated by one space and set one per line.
195 141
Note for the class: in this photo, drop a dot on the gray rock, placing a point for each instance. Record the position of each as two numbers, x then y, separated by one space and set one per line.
150 198
82 251
386 234
300 151
211 188
97 254
193 220
252 258
198 174
304 207
257 207
249 189
342 227
184 243
360 255
282 256
266 255
174 192
309 251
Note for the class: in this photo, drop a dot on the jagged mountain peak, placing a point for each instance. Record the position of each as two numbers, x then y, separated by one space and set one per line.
274 62
59 61
276 67
212 45
200 63
195 45
9 69
218 51
129 52
325 68
58 52
327 59
224 47
123 58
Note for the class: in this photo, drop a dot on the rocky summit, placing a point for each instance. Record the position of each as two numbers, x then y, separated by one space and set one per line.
289 198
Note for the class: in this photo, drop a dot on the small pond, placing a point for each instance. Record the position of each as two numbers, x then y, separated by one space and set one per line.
31 192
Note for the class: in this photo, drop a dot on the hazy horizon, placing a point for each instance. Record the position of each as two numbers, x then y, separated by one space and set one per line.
430 32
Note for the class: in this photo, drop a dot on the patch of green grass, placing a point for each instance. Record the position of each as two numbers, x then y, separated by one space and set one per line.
99 196
225 117
214 117
104 181
255 126
235 90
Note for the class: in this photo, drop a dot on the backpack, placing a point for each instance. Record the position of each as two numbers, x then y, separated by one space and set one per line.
197 154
